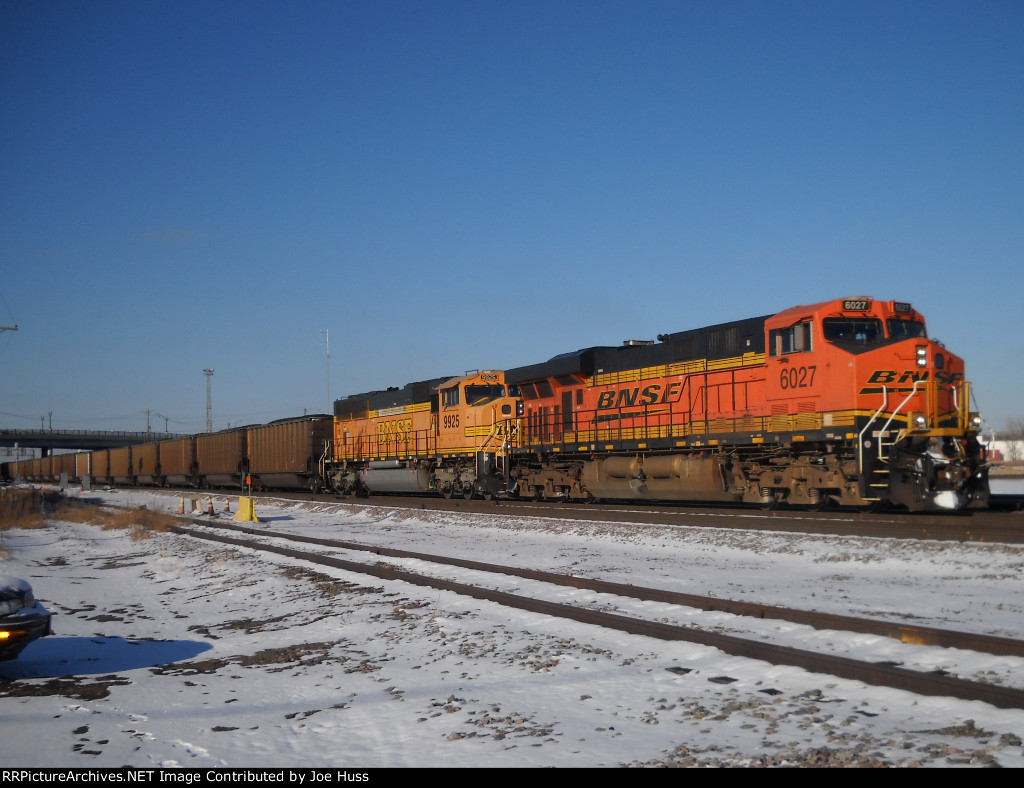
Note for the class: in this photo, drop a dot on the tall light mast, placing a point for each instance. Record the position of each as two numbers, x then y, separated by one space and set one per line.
326 333
209 398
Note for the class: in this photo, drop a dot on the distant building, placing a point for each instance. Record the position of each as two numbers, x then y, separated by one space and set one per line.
1005 451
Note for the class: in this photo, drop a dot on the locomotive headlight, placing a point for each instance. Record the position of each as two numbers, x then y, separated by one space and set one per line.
922 355
918 421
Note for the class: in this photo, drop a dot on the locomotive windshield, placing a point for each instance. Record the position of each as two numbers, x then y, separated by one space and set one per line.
905 329
477 395
852 329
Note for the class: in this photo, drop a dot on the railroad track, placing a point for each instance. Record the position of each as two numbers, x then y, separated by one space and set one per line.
1004 524
886 675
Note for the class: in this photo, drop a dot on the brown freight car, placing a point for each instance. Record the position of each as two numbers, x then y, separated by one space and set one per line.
64 468
288 454
221 458
121 465
178 462
146 463
101 466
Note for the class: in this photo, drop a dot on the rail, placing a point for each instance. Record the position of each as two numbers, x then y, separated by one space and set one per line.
843 667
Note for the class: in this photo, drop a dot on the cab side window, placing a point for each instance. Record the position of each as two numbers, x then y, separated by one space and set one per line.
794 339
450 397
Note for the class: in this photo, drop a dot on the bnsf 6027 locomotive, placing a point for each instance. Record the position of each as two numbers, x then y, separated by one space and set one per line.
846 401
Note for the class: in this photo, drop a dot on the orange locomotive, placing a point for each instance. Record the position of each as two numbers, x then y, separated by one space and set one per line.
846 401
448 435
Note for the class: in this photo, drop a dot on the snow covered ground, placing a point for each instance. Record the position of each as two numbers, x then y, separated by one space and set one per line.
169 651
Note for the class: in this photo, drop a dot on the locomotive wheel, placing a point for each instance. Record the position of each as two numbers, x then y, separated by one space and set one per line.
448 491
820 505
468 493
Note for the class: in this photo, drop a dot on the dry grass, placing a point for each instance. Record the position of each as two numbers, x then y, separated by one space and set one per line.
21 508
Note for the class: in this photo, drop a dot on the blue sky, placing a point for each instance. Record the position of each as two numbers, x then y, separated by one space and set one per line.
462 185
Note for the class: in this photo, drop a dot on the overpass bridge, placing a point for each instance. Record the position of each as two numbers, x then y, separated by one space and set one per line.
77 440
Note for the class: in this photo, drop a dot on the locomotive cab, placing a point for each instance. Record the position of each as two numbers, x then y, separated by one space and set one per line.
448 435
477 427
913 436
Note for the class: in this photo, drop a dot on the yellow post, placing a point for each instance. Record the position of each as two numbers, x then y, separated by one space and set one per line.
246 510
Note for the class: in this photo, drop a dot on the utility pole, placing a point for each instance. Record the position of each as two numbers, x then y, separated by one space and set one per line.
148 411
209 399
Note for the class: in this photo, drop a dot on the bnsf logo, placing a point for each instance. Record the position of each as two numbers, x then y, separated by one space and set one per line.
911 376
654 394
398 428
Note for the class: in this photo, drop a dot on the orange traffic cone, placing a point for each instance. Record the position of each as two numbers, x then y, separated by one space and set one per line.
181 505
209 509
227 504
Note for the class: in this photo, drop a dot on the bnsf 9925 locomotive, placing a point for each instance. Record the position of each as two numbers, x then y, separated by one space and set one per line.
454 436
846 402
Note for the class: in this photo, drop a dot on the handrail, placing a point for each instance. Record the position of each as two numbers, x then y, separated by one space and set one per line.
860 436
502 430
892 416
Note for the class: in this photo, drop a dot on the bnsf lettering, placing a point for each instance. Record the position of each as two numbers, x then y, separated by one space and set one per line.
399 428
911 376
653 394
